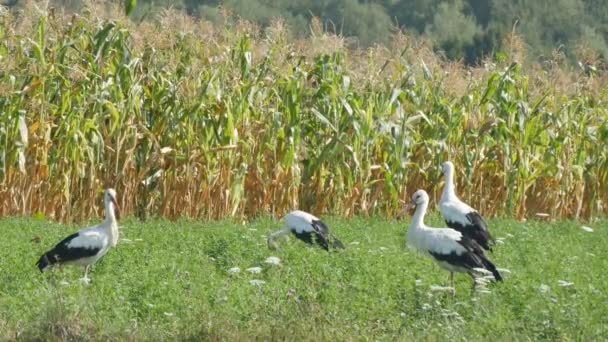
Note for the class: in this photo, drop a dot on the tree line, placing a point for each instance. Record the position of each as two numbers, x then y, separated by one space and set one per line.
460 29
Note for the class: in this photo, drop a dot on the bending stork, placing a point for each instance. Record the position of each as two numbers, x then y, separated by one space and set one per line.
452 250
459 215
307 228
87 245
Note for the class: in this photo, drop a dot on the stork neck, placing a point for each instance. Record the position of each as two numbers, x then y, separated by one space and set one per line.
418 219
281 232
449 191
110 216
111 224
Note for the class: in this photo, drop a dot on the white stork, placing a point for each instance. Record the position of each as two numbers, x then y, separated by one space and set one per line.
459 215
87 245
451 249
307 228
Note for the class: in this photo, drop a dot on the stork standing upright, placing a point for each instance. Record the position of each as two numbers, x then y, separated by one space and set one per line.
307 228
459 215
451 249
87 245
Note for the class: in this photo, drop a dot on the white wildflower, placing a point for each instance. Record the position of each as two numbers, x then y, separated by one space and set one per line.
273 260
587 229
254 270
234 270
482 280
544 288
482 271
449 313
437 288
257 282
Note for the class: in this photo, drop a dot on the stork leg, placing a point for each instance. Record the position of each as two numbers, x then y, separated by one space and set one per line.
86 279
452 283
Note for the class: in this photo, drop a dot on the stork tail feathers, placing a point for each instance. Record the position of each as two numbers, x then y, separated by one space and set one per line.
490 267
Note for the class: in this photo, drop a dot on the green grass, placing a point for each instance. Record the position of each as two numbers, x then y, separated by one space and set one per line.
171 282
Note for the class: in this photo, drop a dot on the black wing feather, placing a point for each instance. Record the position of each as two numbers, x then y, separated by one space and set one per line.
62 253
474 257
320 235
476 230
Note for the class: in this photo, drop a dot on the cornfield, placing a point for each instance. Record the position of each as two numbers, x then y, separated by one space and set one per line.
188 119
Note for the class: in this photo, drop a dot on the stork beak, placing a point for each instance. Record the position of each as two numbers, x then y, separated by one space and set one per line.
116 208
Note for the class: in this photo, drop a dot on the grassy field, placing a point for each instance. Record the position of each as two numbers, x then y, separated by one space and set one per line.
171 280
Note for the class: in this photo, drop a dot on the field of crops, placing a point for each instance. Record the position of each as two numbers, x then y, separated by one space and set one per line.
173 281
186 119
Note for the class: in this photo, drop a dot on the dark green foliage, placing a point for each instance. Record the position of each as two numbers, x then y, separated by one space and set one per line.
469 29
452 30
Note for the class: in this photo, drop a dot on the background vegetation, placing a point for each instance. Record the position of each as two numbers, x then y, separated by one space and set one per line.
172 281
186 118
468 29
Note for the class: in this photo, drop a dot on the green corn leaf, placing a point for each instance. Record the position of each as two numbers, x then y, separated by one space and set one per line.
324 120
130 6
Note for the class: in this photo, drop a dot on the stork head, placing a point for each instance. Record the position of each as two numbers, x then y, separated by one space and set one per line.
271 243
272 237
447 168
419 197
110 197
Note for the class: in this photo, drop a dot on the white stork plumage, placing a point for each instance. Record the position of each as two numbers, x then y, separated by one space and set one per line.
87 245
451 249
459 215
307 228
